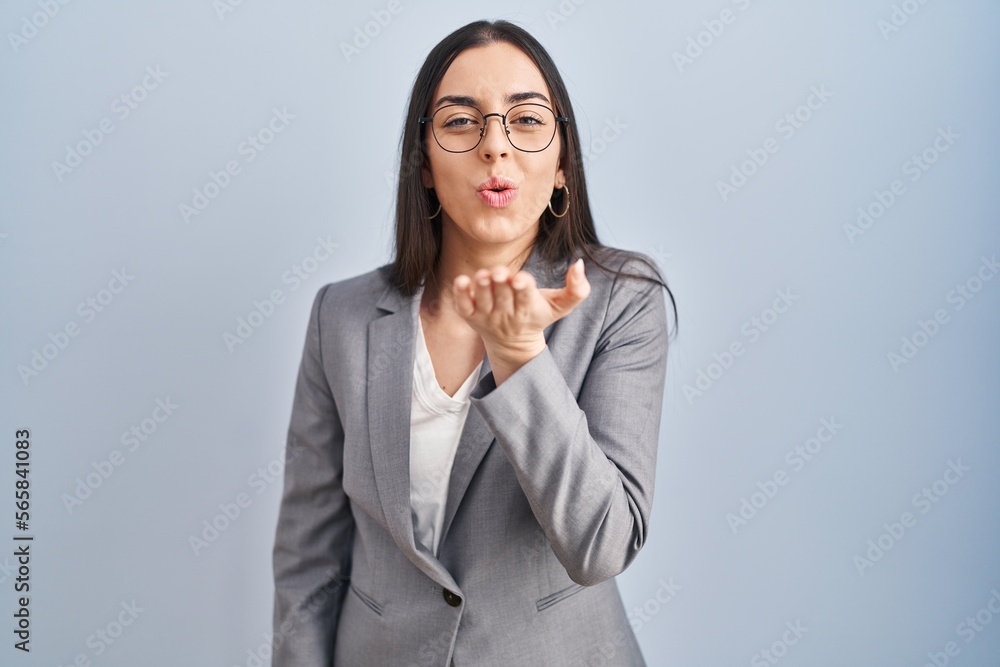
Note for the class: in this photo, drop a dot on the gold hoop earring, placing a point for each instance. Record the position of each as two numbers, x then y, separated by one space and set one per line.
559 215
435 214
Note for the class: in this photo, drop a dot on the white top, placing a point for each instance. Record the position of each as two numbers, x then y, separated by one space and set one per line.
436 423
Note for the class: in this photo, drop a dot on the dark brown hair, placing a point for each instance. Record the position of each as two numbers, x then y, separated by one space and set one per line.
418 239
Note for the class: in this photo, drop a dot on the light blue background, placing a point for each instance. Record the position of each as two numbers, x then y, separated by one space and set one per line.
328 174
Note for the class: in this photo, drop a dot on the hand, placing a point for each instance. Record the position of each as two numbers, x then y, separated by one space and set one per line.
510 313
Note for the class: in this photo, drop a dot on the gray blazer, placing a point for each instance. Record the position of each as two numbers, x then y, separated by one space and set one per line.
549 497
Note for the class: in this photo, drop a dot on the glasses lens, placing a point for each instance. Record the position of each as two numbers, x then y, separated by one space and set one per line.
457 127
531 126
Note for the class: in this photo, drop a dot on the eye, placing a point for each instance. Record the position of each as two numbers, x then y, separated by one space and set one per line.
528 119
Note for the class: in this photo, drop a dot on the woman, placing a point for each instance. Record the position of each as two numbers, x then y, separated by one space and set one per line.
414 530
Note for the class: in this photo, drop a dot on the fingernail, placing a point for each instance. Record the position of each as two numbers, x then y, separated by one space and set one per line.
579 266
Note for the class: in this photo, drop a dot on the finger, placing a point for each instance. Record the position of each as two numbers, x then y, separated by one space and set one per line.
577 279
523 283
577 289
483 292
503 294
463 296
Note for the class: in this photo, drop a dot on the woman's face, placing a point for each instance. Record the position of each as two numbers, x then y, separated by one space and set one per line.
490 75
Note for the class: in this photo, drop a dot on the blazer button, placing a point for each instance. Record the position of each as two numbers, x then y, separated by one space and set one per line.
451 598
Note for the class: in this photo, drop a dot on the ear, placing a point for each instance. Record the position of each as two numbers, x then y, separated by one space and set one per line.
426 176
560 180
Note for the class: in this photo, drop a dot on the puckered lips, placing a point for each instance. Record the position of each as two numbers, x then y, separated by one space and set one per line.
497 191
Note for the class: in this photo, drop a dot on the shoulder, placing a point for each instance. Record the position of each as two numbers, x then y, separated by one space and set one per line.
363 288
354 298
627 275
631 290
624 263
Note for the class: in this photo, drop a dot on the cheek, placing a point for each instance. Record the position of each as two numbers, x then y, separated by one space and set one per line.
536 197
538 187
447 183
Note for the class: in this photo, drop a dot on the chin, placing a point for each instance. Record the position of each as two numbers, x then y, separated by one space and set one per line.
505 223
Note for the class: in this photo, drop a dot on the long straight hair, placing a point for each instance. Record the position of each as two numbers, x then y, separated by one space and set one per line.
418 239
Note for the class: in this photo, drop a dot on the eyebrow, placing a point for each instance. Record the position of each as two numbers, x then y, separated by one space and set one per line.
513 98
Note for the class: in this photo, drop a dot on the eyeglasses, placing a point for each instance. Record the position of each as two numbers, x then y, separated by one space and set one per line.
458 128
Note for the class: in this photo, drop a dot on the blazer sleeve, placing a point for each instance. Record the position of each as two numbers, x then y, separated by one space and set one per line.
315 532
587 465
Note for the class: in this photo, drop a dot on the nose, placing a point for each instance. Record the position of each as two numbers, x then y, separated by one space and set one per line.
494 143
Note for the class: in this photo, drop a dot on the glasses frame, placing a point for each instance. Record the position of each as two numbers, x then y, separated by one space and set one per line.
503 120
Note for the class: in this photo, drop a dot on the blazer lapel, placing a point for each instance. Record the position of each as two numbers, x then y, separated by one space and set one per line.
390 377
391 340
